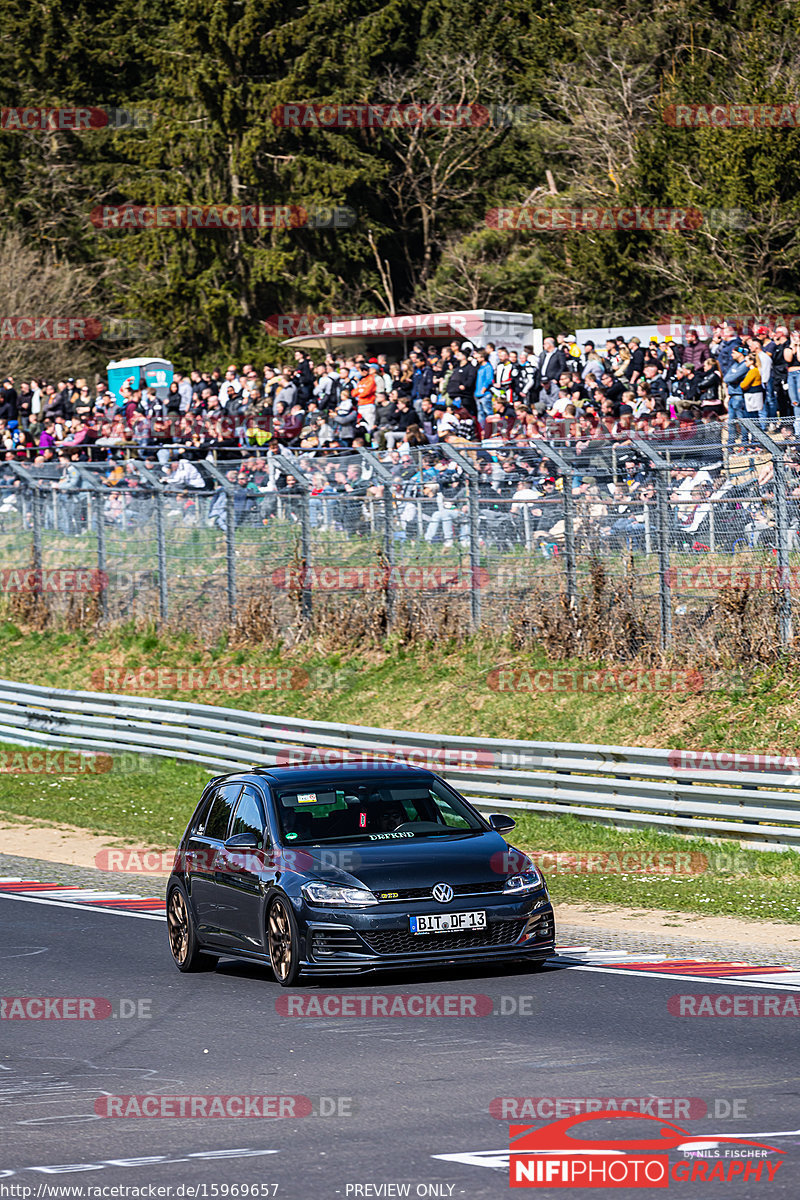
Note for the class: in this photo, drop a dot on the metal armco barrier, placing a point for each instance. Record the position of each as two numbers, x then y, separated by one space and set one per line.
670 790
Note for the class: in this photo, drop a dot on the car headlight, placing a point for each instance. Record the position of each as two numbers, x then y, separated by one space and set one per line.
336 894
527 881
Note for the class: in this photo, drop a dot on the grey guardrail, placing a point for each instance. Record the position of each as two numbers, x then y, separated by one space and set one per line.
756 799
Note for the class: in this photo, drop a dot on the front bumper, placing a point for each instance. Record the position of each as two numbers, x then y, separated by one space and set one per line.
355 941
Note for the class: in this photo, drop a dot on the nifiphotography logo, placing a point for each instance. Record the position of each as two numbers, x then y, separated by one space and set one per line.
552 1156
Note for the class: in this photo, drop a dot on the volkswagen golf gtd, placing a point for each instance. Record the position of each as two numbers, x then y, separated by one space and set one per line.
348 869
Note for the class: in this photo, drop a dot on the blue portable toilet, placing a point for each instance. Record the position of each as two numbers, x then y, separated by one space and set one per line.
156 373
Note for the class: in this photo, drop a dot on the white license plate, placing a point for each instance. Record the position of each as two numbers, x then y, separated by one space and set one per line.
448 922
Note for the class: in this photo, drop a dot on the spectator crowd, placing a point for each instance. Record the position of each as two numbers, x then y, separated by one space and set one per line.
456 393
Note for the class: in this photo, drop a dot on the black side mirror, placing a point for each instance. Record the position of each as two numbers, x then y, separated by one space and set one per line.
243 841
501 822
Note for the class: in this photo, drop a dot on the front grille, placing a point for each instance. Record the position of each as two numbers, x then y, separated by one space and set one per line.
329 942
459 889
399 941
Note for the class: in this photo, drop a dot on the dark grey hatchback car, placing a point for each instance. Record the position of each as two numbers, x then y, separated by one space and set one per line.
342 870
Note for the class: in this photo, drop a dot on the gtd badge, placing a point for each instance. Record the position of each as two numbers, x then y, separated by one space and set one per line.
443 893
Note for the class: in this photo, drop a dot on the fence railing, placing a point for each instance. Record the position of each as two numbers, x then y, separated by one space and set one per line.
479 527
757 802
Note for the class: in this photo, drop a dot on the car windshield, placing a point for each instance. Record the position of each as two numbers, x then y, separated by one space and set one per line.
371 810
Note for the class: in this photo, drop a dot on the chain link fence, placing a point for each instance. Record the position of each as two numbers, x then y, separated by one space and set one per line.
586 546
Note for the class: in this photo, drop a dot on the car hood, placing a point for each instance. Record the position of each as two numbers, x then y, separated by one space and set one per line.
395 865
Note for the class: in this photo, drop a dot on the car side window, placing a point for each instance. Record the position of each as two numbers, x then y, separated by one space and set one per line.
198 823
221 808
248 817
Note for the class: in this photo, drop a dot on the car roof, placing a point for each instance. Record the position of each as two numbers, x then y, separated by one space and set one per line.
320 774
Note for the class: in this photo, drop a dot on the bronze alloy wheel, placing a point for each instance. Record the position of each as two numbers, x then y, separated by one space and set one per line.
186 952
178 925
282 942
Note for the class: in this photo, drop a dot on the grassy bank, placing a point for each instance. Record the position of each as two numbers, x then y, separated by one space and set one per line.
439 687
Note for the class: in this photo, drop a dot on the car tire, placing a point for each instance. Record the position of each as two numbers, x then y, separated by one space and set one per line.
283 942
186 953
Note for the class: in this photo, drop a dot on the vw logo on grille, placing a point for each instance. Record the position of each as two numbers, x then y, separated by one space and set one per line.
443 893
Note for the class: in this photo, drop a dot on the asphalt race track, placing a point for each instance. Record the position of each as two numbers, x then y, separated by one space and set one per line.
403 1091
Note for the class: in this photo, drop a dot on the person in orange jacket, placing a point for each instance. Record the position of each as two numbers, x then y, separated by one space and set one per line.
364 393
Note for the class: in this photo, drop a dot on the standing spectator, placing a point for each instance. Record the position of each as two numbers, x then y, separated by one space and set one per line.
765 368
286 391
730 341
791 358
753 391
709 385
483 385
421 378
303 377
635 366
695 351
780 371
502 376
551 362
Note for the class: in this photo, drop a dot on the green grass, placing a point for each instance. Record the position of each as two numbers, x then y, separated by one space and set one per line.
437 687
143 800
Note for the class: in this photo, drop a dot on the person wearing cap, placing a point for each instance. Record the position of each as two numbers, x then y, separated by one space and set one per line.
365 393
